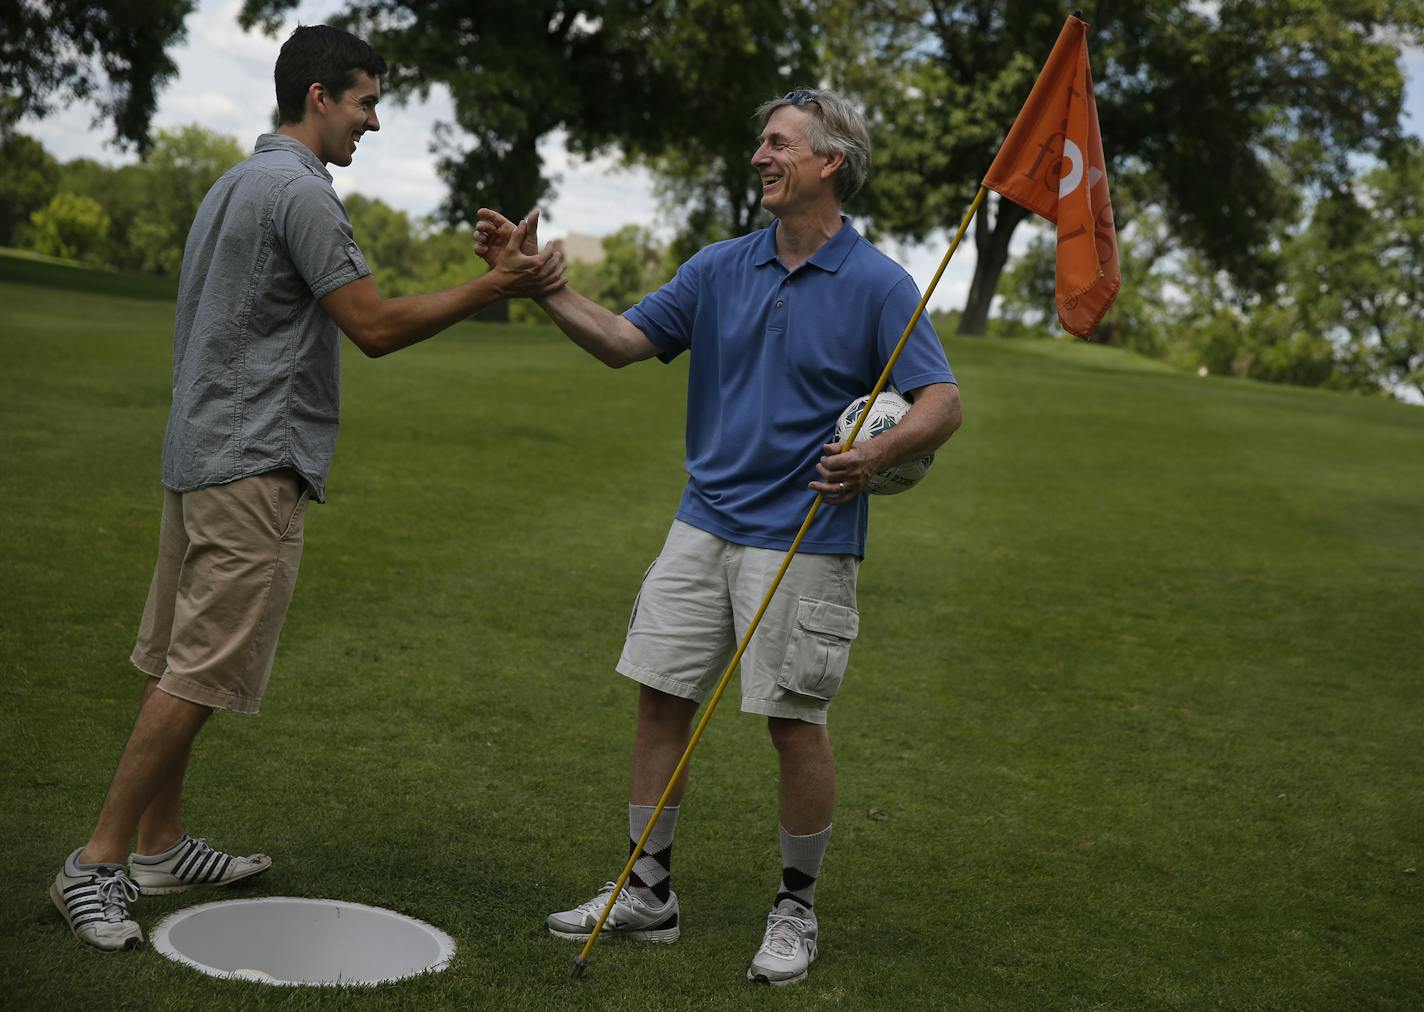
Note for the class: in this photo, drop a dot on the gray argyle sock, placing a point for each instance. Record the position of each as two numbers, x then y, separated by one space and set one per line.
801 858
651 880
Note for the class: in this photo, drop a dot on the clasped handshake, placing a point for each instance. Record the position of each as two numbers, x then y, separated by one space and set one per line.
517 266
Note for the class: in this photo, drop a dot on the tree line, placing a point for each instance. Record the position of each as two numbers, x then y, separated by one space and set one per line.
1243 138
136 218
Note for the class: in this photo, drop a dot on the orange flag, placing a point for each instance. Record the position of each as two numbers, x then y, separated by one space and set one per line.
1052 163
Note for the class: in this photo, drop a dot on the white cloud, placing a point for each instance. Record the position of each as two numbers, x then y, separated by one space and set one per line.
214 110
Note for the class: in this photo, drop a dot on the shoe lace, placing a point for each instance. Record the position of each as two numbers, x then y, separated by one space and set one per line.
784 933
596 905
114 892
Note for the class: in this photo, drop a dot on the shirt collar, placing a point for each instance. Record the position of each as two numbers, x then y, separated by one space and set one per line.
828 258
281 142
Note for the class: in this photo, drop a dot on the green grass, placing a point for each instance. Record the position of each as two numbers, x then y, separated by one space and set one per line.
1134 722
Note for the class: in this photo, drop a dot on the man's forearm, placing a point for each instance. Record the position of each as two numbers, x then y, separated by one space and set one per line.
605 335
410 319
933 418
380 326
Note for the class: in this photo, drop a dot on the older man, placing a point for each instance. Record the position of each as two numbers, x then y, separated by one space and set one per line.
786 326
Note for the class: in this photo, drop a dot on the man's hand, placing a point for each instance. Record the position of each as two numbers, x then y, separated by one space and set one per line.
845 475
492 234
517 268
933 416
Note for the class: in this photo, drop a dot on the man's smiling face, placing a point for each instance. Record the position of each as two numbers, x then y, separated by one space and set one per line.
348 117
790 171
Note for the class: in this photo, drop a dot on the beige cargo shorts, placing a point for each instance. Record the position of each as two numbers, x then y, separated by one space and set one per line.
701 594
227 565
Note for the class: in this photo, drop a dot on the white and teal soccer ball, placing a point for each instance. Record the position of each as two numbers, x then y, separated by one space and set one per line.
889 408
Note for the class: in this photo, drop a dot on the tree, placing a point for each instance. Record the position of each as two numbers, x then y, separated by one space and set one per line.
1357 271
1226 111
1142 316
633 264
409 257
71 227
151 204
177 174
54 52
712 62
1347 313
121 192
27 182
1219 329
671 84
387 239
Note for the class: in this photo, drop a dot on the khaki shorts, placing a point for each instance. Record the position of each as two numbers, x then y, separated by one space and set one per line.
227 565
699 597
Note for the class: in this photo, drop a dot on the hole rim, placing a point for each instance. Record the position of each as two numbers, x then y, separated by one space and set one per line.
158 938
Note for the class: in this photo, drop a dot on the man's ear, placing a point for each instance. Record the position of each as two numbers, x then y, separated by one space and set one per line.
833 163
317 96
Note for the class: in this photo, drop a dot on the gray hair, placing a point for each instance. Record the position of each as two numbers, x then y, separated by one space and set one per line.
836 126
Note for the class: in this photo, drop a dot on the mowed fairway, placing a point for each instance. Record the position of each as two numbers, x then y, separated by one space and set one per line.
1134 720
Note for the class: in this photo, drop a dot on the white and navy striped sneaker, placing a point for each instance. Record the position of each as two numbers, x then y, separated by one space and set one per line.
191 862
630 918
94 900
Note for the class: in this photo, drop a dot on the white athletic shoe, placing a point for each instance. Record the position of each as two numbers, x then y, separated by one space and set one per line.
94 900
191 862
789 947
630 918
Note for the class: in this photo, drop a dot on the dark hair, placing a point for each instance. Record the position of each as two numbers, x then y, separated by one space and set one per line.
320 54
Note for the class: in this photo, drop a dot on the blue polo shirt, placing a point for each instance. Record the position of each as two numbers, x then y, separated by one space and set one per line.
776 357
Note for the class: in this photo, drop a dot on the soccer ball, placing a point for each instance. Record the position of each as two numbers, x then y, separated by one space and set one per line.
889 408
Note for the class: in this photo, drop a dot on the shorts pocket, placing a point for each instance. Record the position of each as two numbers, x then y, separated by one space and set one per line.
634 613
294 520
819 648
289 500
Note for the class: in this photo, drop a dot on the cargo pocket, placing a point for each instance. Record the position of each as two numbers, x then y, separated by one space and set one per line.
819 648
634 613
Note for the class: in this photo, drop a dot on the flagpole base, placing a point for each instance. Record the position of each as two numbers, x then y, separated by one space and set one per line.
580 965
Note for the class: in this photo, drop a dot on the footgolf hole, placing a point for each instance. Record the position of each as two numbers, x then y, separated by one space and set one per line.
286 940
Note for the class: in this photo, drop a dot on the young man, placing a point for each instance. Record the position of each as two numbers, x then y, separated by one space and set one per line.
786 326
270 272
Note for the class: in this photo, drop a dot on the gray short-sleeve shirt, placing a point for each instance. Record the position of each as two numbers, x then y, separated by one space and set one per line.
256 360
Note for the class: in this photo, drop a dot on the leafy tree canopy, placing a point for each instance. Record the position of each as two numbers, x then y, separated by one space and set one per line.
1347 313
54 52
1357 272
148 206
675 80
27 182
633 264
1229 110
70 227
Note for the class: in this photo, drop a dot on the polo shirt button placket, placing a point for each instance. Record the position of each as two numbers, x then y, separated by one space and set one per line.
777 322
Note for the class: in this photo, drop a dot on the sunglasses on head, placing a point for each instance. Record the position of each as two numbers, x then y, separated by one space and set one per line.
799 97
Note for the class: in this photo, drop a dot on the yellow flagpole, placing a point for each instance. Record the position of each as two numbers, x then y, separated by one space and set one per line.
581 961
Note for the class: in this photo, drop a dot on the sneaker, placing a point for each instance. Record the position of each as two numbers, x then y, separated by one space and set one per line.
94 899
630 918
191 862
789 947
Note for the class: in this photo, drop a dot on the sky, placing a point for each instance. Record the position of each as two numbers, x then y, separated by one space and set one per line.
224 83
